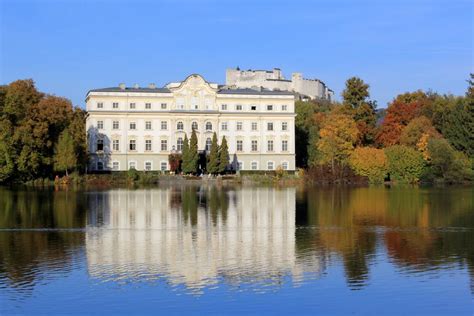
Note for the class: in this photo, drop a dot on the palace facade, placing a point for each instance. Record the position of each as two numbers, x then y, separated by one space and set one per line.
137 127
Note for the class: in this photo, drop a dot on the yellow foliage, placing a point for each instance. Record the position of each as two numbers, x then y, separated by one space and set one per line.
369 162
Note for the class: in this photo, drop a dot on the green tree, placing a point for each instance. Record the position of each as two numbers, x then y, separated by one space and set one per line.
185 154
356 99
405 164
77 130
213 158
448 164
356 92
19 97
64 154
193 154
223 155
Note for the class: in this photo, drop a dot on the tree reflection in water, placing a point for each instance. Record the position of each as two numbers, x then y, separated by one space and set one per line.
199 236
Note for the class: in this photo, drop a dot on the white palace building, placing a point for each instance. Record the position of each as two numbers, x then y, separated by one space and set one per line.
139 127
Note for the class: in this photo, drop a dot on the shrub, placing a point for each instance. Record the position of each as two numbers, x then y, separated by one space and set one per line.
404 163
447 163
369 162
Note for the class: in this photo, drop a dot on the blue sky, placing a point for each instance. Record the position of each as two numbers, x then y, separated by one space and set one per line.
69 47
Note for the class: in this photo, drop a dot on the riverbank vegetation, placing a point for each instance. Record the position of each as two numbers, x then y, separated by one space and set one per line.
420 137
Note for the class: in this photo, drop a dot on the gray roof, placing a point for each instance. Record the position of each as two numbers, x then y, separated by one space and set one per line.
254 92
129 89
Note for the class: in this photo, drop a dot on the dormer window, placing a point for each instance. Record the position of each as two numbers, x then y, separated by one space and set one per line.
132 106
148 106
100 105
253 108
284 107
223 107
269 107
115 105
238 107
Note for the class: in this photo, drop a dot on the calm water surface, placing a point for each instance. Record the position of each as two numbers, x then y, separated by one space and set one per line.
201 250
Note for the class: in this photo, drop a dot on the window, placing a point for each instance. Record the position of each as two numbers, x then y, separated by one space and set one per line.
164 106
240 145
100 144
100 124
284 126
179 144
253 108
208 144
284 108
208 126
115 165
269 126
115 105
223 107
115 145
100 165
238 107
254 145
284 145
240 165
132 144
164 125
269 107
132 165
148 165
115 125
180 126
164 145
196 107
133 125
194 126
224 126
284 165
148 106
100 105
239 126
270 145
148 144
148 125
254 126
254 165
164 166
270 165
132 106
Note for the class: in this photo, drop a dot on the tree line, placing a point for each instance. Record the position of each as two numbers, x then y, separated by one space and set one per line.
421 136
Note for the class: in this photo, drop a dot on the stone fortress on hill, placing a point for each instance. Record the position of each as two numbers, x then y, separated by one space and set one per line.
274 80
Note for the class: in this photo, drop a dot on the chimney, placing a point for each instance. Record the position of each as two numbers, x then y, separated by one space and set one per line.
136 86
122 86
152 86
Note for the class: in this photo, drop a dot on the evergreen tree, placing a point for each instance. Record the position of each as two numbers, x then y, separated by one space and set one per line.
213 159
64 153
193 153
185 155
223 155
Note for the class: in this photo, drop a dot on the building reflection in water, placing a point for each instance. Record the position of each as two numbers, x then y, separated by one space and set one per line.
196 236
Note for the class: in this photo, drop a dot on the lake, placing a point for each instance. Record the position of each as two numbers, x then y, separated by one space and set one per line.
233 250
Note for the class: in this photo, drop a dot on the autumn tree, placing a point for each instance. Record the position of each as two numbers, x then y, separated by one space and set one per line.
356 98
213 158
405 164
399 113
65 158
338 135
369 162
223 155
417 127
